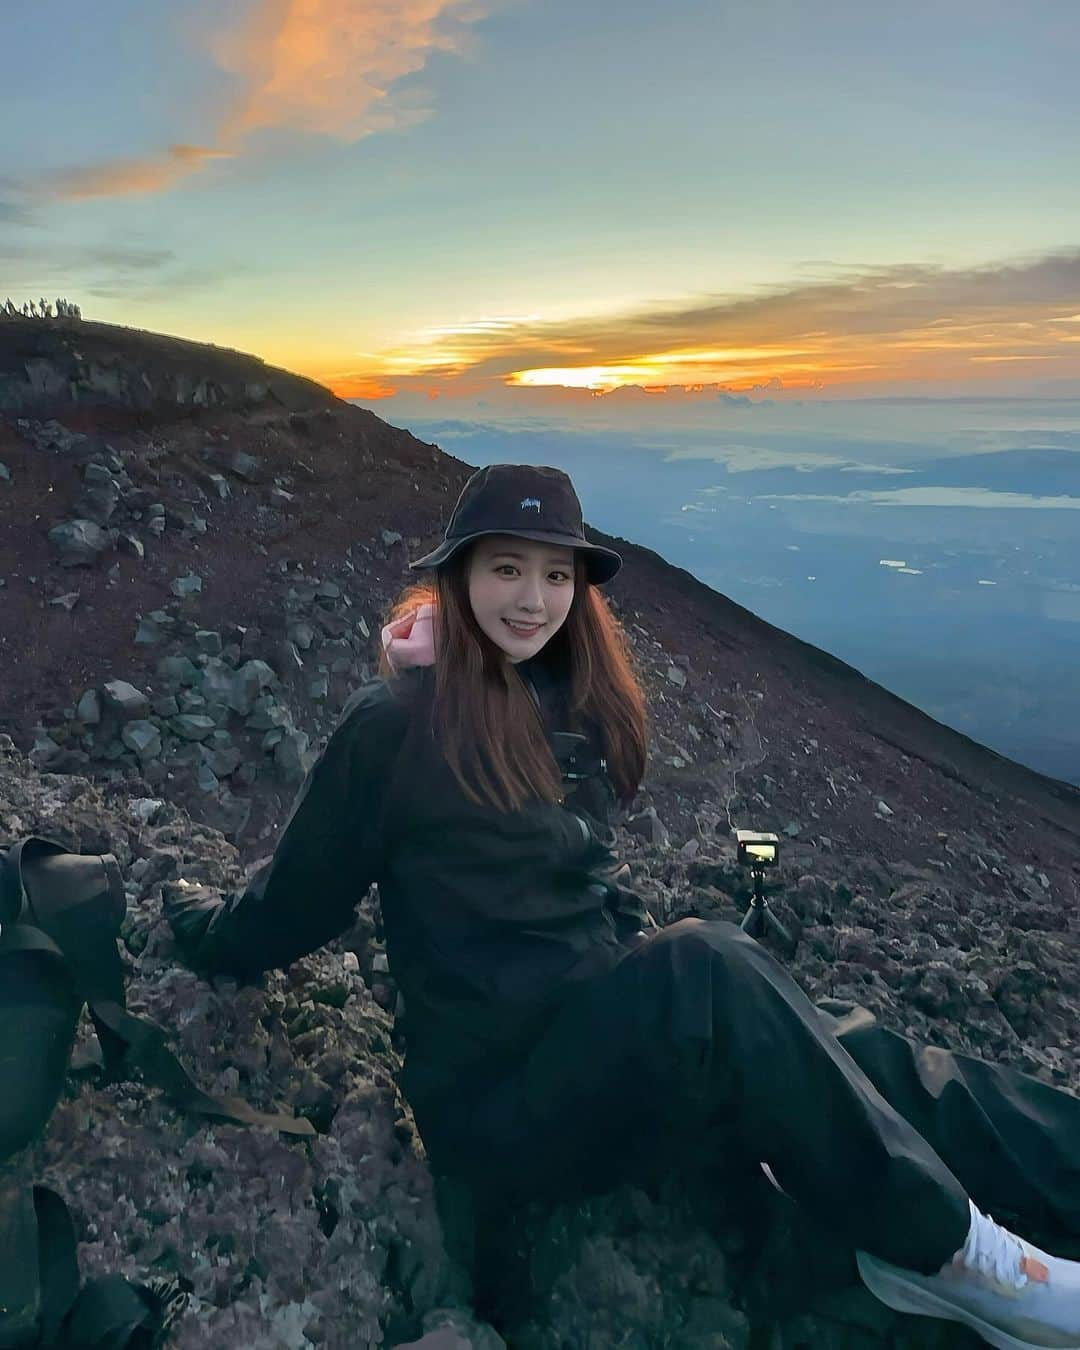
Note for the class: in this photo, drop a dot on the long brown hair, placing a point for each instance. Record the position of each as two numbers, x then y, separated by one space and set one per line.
483 716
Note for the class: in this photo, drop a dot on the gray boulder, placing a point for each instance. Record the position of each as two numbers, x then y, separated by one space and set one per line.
192 726
302 634
45 750
245 466
269 716
208 642
185 586
79 542
125 700
248 683
99 495
88 709
146 810
290 755
142 737
224 761
216 681
148 633
178 670
648 826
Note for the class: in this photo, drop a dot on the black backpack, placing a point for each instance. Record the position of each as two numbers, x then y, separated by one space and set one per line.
60 916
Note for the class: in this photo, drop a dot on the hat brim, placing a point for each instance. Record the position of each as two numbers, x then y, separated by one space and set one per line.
601 564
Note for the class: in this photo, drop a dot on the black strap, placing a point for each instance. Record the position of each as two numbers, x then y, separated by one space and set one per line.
20 1307
72 905
146 1049
58 1266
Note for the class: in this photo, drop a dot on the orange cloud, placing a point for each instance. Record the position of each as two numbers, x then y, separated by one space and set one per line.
326 67
131 177
895 324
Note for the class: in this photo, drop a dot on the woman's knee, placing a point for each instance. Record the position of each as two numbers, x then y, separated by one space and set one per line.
691 963
703 936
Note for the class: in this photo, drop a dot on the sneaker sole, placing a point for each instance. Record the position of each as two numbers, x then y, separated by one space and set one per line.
895 1292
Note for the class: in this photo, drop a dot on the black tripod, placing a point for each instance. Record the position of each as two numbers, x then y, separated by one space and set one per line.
759 918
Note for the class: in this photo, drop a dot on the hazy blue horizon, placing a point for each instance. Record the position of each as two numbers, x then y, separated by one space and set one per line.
933 545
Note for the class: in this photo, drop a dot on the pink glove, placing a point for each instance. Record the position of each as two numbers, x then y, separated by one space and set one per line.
410 640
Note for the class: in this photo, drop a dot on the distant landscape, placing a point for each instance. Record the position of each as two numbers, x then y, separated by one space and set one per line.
940 555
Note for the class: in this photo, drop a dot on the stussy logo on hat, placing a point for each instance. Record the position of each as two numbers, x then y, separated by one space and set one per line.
529 501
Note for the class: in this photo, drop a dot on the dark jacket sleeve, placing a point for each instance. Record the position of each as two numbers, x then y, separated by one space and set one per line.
327 856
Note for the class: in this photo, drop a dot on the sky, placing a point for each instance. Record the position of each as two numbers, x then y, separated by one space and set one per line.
535 208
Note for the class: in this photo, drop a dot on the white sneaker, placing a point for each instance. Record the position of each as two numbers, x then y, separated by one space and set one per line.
1014 1295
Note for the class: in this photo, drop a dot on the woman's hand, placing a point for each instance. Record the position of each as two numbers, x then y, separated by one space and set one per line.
191 910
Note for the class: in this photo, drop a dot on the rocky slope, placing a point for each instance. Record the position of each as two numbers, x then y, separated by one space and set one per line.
196 552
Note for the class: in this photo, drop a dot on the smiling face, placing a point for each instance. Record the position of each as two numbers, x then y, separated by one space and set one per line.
520 580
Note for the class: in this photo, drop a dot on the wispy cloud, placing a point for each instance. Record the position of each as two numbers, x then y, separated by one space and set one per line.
127 271
67 257
949 497
324 67
901 322
132 177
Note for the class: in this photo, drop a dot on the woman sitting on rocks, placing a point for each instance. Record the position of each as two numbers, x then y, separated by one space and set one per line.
551 1029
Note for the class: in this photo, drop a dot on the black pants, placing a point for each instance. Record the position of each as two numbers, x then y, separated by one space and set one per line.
880 1139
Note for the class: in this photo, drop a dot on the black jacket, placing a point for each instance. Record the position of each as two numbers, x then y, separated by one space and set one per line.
488 916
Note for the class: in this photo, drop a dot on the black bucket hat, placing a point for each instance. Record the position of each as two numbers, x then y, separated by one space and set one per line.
529 500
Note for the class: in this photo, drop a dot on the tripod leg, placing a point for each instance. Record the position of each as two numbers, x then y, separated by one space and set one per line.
774 923
759 921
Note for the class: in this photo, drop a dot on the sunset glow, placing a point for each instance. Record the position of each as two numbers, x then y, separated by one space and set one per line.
946 347
470 198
